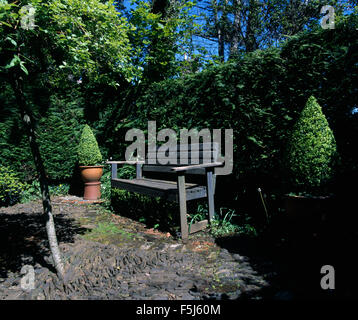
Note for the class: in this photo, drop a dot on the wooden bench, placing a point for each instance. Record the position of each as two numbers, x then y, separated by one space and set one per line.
176 182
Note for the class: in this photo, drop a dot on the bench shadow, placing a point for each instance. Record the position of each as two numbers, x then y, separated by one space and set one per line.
23 240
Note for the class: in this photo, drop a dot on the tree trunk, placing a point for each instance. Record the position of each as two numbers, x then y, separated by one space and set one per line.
234 47
160 6
219 30
221 46
154 71
26 116
250 37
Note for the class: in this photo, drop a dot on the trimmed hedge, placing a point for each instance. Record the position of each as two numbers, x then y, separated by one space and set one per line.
58 130
58 136
88 150
260 96
227 96
311 150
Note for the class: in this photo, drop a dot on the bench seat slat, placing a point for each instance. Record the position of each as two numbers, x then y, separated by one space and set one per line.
169 169
160 188
193 146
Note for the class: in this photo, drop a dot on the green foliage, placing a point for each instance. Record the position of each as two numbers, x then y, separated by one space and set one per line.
88 150
259 96
157 213
240 95
58 131
74 43
32 191
58 136
160 33
106 184
311 151
15 150
81 39
112 200
126 172
154 212
222 224
106 230
10 187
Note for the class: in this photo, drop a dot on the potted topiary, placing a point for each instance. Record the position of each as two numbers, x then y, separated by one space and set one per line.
90 159
310 162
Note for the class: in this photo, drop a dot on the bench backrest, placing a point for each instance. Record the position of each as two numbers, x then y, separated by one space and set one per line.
187 154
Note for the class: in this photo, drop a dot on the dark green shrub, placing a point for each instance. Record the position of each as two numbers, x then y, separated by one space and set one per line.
88 150
10 187
154 212
106 184
58 135
15 149
259 95
311 150
57 129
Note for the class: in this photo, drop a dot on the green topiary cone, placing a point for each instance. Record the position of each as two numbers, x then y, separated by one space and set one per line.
88 150
311 151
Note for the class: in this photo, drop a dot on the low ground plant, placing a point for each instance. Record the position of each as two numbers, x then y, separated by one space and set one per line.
11 187
223 224
32 191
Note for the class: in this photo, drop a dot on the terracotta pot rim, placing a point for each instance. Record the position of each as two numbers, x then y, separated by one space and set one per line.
92 183
84 167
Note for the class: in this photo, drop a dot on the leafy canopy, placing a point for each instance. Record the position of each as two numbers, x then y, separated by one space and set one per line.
76 38
161 37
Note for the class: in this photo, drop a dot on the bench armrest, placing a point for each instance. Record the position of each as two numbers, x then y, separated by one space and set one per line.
114 167
125 162
198 166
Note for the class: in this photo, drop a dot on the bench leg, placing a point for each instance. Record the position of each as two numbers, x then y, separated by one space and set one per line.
182 206
114 171
210 193
139 174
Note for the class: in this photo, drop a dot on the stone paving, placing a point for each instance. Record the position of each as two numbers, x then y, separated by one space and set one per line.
128 262
113 257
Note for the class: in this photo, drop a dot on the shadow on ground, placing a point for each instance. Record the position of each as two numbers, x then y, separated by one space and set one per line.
298 262
23 239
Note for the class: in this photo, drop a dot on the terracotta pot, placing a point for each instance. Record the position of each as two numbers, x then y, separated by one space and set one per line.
91 176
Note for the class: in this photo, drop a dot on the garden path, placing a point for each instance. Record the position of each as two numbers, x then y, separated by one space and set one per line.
113 257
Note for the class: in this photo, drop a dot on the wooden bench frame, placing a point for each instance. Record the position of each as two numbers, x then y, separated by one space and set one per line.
180 191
